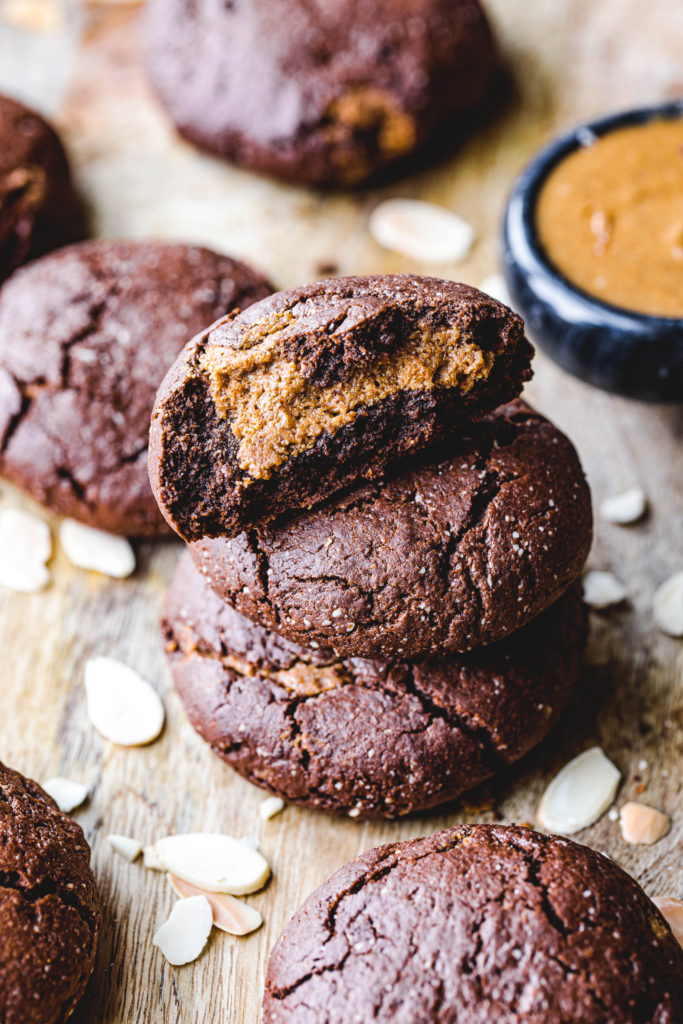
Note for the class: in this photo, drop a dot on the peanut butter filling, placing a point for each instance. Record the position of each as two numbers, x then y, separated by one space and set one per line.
276 413
28 181
364 109
302 679
367 110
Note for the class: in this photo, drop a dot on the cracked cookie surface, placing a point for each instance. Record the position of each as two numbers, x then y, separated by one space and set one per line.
86 335
49 914
364 738
477 924
38 207
331 93
443 556
313 389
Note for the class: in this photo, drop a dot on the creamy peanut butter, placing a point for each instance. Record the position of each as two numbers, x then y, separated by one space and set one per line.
275 412
610 217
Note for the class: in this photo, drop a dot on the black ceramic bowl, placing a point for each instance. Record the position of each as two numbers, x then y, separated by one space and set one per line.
628 353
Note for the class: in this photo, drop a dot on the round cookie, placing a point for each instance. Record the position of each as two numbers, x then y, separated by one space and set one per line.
365 738
318 387
445 556
38 208
328 95
49 914
477 924
86 335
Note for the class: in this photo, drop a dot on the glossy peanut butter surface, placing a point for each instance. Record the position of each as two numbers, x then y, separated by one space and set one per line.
610 217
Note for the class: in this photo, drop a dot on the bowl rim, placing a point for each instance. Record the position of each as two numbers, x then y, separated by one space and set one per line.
521 206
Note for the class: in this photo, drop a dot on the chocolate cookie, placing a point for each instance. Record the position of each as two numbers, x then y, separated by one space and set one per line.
313 389
49 914
38 208
328 94
364 738
477 924
86 335
444 556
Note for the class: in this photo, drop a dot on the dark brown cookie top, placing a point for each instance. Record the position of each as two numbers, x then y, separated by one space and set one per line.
38 208
477 924
328 93
86 335
364 738
444 556
49 913
312 389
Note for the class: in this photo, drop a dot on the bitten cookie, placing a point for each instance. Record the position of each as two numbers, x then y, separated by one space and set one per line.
364 738
329 94
444 556
313 389
86 335
38 208
477 924
49 914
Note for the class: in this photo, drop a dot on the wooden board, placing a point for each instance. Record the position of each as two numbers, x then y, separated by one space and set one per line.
571 58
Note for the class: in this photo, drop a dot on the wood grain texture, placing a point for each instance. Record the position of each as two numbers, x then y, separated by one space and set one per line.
570 58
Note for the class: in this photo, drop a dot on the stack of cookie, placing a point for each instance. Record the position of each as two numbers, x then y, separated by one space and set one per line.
377 608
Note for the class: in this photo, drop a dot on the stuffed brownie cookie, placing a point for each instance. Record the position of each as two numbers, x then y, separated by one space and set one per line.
315 389
86 335
455 551
39 209
49 913
476 925
358 737
329 94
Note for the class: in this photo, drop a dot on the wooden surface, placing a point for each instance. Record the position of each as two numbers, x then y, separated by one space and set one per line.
571 58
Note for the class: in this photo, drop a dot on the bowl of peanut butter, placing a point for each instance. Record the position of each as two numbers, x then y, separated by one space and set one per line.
593 251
